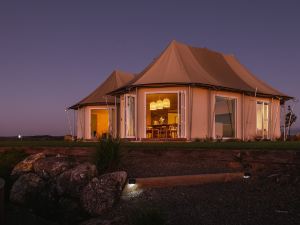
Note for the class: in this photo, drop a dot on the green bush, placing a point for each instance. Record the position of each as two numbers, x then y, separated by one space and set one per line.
147 216
107 154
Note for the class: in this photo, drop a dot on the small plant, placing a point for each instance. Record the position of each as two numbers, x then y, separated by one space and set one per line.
107 154
147 216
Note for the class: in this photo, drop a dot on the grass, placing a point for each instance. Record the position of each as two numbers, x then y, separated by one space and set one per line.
258 145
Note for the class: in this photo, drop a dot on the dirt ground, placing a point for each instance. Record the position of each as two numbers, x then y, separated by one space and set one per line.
270 196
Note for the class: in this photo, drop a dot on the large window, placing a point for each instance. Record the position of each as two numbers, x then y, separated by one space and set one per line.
225 117
165 117
262 119
130 116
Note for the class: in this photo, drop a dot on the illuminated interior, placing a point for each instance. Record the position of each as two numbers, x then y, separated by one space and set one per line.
225 124
99 123
162 115
262 119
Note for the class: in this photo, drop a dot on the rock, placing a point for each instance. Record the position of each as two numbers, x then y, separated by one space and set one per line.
69 211
26 189
26 165
72 181
99 221
102 192
52 166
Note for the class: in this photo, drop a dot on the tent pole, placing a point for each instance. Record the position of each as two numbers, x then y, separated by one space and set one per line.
284 131
136 114
116 118
74 118
243 115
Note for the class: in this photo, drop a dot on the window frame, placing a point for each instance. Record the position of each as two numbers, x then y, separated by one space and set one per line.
269 121
178 109
235 116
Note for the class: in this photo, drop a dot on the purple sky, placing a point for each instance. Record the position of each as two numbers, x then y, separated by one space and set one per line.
53 53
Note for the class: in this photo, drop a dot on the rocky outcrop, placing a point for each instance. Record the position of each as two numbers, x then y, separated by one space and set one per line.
26 189
60 187
26 165
51 167
103 192
72 181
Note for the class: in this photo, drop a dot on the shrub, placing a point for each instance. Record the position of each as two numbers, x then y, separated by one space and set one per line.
107 154
147 216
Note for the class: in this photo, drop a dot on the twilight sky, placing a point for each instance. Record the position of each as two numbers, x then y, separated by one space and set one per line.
53 53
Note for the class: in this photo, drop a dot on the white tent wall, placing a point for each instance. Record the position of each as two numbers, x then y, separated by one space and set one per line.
202 112
80 123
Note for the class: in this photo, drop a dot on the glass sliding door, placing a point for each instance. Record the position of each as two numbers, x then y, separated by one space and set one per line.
130 111
165 115
99 123
225 117
262 119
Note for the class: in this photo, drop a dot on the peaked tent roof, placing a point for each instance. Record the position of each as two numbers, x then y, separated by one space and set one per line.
99 96
183 64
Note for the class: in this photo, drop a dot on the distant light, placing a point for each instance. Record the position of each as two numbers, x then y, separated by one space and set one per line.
247 175
19 136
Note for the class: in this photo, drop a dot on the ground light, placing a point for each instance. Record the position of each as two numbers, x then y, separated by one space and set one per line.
247 175
132 189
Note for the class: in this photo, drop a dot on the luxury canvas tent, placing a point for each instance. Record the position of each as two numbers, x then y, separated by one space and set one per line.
97 113
189 93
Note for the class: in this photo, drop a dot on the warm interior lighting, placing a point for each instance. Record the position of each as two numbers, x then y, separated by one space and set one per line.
153 106
159 104
166 103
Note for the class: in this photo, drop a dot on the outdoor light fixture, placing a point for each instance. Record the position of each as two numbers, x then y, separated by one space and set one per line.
246 175
153 106
131 181
166 103
19 136
159 104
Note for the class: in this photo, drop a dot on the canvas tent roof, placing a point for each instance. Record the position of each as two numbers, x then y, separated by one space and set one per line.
183 64
116 80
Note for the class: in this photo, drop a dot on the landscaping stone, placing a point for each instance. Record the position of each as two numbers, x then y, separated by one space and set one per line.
26 165
72 181
100 221
103 192
26 189
52 166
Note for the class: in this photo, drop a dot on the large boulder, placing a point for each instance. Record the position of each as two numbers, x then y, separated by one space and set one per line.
71 182
102 192
26 165
51 167
100 221
26 189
